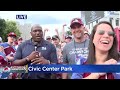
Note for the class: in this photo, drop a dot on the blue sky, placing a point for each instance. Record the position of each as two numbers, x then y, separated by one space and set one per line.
47 19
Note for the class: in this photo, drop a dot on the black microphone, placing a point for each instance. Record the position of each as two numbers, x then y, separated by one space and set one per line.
36 45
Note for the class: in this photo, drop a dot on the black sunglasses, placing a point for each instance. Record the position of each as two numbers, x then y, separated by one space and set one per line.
110 33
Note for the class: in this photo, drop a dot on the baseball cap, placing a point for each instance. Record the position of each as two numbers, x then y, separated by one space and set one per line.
12 34
48 37
76 20
55 37
68 36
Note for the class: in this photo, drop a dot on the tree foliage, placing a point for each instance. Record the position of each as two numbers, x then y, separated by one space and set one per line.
69 32
9 26
2 28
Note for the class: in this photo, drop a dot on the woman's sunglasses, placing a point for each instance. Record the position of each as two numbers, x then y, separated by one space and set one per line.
110 33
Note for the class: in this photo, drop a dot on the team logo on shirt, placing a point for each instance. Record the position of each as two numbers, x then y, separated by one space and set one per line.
43 48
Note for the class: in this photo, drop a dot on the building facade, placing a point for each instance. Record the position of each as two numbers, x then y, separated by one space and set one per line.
25 30
112 16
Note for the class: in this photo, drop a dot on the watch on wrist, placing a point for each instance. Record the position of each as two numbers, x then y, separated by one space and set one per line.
27 59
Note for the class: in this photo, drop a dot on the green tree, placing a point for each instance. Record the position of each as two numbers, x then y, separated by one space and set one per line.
68 32
2 28
11 26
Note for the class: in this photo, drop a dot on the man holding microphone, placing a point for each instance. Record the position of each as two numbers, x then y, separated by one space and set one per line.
36 51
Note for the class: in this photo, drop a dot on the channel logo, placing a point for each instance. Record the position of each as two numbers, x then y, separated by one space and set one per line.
6 69
21 16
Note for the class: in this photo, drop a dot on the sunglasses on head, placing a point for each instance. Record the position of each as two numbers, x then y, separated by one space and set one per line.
110 33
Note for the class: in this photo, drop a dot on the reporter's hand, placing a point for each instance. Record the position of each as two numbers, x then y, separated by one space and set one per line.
33 55
40 60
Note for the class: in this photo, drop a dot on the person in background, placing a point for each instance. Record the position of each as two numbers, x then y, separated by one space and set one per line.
0 40
102 51
9 49
68 38
117 32
56 41
86 35
78 47
18 42
8 53
48 38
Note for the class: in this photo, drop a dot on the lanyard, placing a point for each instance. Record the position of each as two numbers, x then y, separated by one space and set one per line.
76 48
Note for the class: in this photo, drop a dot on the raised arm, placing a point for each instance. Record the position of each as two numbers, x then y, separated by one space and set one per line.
63 32
45 30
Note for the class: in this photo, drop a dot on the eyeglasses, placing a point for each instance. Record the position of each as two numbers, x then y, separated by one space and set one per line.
110 33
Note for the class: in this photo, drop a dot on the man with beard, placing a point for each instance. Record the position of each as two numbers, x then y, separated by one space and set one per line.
35 51
76 51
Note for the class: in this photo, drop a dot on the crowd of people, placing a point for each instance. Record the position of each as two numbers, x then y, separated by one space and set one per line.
78 48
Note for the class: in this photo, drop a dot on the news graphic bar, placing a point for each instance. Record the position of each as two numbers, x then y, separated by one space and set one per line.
74 68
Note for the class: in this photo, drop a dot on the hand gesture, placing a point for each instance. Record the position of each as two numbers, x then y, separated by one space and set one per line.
109 62
9 58
1 49
40 60
33 55
64 25
45 30
56 30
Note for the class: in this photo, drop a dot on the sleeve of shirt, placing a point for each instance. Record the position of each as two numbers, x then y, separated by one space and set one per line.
77 76
2 57
65 56
53 55
18 54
